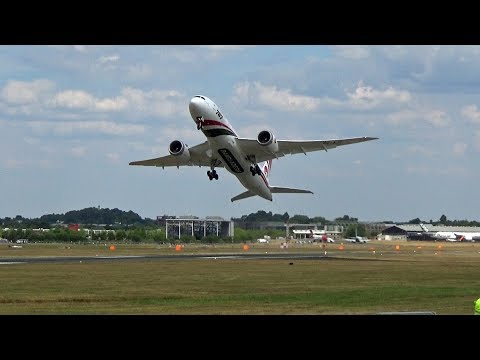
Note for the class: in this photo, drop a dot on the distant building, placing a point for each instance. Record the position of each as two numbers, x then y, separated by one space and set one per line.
176 227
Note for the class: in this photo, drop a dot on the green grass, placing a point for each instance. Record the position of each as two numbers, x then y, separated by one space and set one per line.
411 279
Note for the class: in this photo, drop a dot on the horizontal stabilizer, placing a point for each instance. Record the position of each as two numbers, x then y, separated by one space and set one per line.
284 190
243 195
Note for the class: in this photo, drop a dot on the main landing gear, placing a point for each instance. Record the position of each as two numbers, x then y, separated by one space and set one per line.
255 170
212 174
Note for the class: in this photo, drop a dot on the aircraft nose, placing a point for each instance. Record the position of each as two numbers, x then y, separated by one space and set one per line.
195 106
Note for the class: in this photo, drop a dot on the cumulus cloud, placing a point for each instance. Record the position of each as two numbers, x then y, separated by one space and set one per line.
154 102
80 48
363 98
79 151
271 96
436 118
25 92
471 113
113 158
96 127
421 150
366 97
106 59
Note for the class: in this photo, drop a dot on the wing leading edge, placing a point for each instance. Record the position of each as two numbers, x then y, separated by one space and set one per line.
291 147
199 156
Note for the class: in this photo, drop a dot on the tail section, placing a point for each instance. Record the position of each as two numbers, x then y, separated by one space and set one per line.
266 168
284 190
243 195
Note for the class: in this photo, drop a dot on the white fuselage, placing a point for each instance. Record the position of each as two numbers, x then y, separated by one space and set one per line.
222 139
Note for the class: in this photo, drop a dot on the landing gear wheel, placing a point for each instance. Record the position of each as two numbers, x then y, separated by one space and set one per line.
212 174
199 122
252 170
257 170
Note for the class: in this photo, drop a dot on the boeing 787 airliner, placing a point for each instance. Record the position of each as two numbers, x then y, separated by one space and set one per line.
239 156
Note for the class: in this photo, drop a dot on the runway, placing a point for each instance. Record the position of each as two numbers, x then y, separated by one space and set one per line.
69 259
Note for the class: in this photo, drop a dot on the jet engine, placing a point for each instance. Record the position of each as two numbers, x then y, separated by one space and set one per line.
178 148
267 139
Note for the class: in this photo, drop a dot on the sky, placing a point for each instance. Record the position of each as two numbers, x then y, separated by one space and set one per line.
73 116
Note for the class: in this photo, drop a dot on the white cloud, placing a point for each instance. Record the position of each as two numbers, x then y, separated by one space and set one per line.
459 149
80 48
113 158
421 150
471 112
437 118
30 141
96 127
74 99
402 117
366 97
111 58
23 92
79 151
352 51
228 47
270 96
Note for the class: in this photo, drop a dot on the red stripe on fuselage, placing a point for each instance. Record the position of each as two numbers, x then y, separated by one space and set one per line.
218 123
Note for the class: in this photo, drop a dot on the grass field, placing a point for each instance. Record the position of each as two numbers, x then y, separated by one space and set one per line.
381 276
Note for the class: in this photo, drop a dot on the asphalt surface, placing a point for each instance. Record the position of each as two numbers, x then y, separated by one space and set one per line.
63 259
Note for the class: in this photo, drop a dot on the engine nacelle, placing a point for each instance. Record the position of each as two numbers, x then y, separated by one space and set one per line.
178 148
267 139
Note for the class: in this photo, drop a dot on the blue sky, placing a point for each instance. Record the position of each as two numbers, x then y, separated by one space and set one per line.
73 117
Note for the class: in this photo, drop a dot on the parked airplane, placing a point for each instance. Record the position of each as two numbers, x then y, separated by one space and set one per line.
357 239
445 235
323 238
465 236
239 156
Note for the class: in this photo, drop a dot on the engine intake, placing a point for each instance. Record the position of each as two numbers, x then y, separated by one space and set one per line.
180 149
267 139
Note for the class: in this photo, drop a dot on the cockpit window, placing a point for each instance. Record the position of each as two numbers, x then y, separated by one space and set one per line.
201 97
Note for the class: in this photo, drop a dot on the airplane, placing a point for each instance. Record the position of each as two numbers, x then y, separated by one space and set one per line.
250 160
357 239
467 236
322 238
445 235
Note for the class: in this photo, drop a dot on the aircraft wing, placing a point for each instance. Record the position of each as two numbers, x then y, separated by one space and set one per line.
290 147
200 155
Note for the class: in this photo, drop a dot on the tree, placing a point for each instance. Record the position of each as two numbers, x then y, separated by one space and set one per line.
443 219
355 230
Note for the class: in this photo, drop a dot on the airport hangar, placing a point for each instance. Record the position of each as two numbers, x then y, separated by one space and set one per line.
189 225
421 231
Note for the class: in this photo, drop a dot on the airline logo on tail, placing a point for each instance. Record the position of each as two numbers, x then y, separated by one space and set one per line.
266 168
